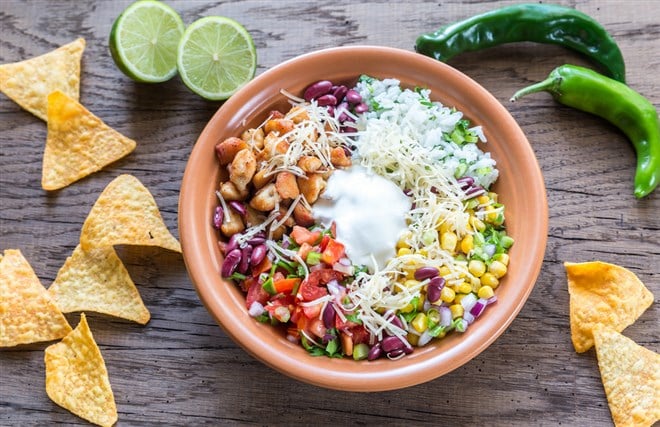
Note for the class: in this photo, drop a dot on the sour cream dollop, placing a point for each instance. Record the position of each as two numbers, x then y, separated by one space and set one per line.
369 211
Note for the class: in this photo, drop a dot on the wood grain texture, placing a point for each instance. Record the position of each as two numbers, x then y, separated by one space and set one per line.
181 369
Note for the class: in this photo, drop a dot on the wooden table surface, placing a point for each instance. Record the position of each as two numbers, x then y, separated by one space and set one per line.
181 368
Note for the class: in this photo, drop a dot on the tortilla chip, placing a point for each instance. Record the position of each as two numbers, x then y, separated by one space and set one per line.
29 82
631 378
126 214
602 294
78 143
98 281
27 314
77 379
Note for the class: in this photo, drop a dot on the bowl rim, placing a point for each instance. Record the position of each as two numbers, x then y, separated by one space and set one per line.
335 374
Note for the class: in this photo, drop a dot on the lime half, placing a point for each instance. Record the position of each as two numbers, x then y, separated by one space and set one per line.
216 57
144 41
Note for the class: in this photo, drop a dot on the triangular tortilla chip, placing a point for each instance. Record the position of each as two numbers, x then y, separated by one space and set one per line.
29 82
631 378
98 281
77 379
602 294
78 143
27 314
126 214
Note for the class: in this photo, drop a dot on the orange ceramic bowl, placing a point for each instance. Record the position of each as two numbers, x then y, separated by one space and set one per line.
520 187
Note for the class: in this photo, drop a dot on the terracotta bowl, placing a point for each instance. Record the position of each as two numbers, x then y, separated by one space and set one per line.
520 186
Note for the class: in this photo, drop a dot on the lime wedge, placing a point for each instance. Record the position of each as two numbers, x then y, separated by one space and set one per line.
144 41
216 57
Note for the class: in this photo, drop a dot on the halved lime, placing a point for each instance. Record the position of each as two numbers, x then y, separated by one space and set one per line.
216 57
144 41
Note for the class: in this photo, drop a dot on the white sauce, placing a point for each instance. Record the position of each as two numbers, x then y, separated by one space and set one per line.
369 211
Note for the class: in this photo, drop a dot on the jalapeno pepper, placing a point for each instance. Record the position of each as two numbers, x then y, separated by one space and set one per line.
617 103
540 23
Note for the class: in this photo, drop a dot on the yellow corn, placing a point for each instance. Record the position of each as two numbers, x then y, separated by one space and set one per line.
467 244
456 310
411 284
408 308
402 241
404 251
492 214
444 271
493 196
503 258
485 292
412 339
447 294
477 224
483 199
419 322
497 268
444 227
464 288
448 241
489 279
476 267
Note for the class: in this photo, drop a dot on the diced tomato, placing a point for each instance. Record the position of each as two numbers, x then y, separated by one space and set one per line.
286 285
302 235
324 242
313 311
304 249
310 291
360 334
333 252
262 267
256 293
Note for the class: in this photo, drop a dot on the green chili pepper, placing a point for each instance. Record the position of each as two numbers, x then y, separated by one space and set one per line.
617 103
540 23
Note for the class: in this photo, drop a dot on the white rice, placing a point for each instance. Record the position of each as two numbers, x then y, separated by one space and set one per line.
426 122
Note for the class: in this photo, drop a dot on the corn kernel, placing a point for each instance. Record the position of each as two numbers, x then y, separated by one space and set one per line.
408 308
444 271
503 258
404 251
419 323
411 284
483 199
465 288
477 224
492 214
412 339
402 241
497 268
447 294
475 284
456 310
444 227
489 279
423 252
476 267
467 244
448 241
458 298
485 292
493 196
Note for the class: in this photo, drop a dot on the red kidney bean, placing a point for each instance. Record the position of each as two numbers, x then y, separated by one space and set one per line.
389 344
218 217
231 262
361 108
326 100
317 90
244 265
353 97
408 349
256 240
239 207
232 243
424 273
394 319
374 352
339 92
433 293
258 254
329 316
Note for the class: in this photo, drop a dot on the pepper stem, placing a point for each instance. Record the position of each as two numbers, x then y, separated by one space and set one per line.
551 84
